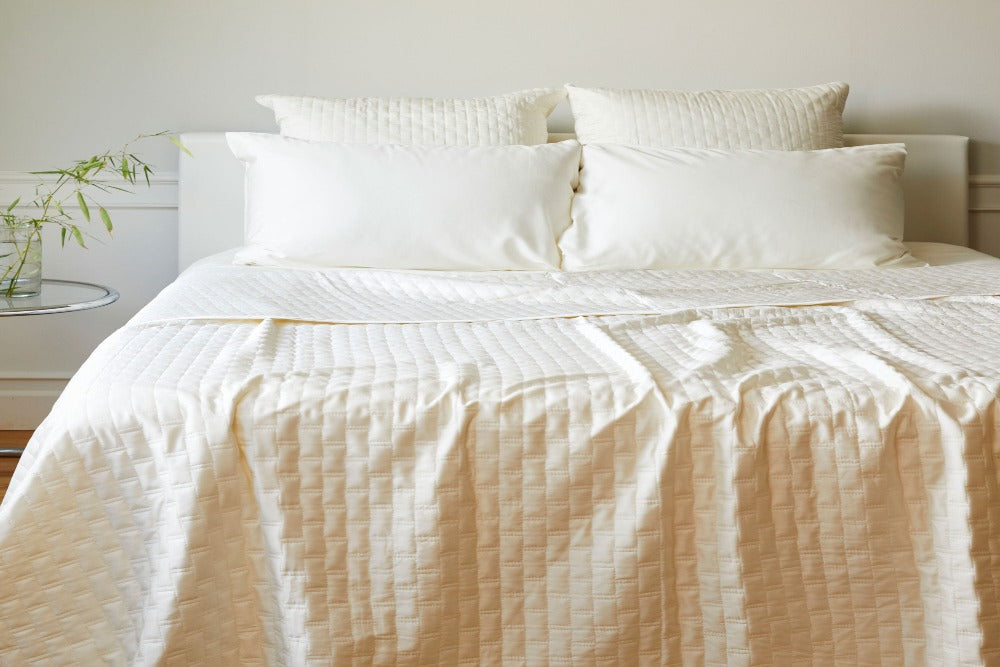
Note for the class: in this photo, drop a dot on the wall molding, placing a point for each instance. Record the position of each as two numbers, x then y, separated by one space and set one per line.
35 376
984 193
26 398
161 193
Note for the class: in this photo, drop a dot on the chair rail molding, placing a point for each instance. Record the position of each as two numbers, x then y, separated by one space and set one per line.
161 193
984 193
984 213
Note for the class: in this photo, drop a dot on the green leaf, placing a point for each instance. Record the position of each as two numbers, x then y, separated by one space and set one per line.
177 142
106 219
62 236
84 168
13 204
83 208
78 236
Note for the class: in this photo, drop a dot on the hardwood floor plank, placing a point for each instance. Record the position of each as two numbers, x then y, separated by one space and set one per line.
14 438
10 439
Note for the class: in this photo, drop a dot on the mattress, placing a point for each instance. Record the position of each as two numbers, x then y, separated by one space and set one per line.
272 466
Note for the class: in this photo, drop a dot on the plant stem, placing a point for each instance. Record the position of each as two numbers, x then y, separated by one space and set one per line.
23 258
10 266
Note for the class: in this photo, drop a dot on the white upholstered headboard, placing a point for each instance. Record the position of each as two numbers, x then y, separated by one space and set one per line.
935 184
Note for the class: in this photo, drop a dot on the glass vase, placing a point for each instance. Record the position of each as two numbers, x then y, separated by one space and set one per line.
20 261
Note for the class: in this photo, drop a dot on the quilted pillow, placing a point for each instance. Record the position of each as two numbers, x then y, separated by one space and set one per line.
517 118
696 208
785 119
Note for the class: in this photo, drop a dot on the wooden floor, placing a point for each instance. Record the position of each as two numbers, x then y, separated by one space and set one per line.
10 439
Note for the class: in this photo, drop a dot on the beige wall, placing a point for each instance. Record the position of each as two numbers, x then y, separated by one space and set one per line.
83 75
914 65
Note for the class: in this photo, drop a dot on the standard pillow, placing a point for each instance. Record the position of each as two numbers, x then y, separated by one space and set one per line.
404 207
517 118
694 208
792 119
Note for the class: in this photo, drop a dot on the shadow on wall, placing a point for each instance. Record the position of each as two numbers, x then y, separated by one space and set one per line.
925 119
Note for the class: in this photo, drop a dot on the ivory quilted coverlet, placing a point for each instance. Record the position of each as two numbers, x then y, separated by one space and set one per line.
285 467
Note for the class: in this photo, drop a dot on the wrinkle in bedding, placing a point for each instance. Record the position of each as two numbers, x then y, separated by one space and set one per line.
654 479
378 296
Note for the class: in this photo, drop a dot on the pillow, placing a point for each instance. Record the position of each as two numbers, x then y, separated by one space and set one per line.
517 118
404 207
695 208
790 119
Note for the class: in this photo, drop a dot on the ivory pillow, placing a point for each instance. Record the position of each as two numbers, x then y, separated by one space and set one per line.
517 118
404 207
784 119
694 208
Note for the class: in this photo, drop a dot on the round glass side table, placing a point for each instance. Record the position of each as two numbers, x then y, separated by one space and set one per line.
58 296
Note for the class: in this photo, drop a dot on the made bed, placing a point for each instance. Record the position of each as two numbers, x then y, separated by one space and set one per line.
274 465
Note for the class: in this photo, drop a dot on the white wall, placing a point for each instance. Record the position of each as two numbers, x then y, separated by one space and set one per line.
81 75
915 65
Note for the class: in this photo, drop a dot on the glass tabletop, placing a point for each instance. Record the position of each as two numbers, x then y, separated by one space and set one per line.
59 296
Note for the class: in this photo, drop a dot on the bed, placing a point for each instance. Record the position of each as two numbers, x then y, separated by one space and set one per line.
283 466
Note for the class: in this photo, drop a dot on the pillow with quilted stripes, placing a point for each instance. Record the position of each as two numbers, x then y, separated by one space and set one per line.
791 119
516 118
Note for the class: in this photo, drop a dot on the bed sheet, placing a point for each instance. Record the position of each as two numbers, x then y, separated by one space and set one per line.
301 467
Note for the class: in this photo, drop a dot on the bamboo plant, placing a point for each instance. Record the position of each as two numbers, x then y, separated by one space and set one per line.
71 193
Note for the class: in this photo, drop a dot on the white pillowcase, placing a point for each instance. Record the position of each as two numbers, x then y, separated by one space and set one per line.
783 119
691 208
517 118
404 207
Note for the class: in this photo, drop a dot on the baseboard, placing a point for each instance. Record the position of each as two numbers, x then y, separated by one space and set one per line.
26 401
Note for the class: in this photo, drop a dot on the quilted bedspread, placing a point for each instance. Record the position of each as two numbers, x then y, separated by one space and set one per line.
290 467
